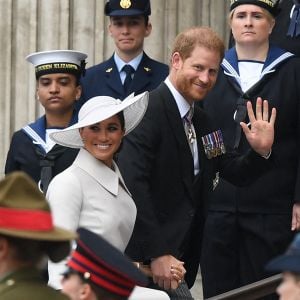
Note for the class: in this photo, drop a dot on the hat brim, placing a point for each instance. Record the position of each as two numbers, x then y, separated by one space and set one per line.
283 263
133 108
58 240
107 255
273 10
123 12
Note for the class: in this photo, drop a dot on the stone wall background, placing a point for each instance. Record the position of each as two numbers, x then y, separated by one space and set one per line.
35 25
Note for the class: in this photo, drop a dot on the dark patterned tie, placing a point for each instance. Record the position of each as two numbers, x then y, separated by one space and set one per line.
129 70
189 129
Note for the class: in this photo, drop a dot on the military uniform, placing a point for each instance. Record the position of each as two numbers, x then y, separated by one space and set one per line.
111 78
28 151
247 226
27 284
104 79
31 149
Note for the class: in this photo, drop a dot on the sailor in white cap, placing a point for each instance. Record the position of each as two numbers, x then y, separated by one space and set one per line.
58 74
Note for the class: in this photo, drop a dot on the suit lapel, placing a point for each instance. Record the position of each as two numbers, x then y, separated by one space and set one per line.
112 77
185 156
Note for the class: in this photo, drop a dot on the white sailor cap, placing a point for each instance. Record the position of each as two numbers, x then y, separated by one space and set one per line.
58 61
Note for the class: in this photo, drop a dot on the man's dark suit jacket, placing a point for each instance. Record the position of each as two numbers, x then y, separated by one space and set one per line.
104 79
157 165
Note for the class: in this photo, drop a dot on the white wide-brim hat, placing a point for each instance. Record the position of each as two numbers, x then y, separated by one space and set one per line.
101 108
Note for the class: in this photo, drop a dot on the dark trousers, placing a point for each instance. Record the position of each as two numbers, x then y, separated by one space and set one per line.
237 246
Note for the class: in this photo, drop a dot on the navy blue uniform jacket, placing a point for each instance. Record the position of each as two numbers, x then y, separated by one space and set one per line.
104 79
27 150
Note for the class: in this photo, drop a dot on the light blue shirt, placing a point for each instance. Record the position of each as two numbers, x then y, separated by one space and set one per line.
121 63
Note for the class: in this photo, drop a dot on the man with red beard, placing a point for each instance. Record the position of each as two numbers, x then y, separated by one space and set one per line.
170 162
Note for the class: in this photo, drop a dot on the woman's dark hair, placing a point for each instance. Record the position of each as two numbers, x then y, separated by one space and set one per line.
122 121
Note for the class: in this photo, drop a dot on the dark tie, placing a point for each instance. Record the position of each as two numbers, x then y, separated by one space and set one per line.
129 70
239 116
189 129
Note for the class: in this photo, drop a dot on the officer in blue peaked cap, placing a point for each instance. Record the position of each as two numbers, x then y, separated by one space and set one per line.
129 69
127 7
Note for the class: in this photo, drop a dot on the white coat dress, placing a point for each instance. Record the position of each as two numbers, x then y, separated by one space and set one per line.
89 194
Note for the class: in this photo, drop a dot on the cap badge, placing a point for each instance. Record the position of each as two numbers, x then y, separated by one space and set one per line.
125 4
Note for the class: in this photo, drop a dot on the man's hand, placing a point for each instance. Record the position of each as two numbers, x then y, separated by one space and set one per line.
261 134
296 217
167 271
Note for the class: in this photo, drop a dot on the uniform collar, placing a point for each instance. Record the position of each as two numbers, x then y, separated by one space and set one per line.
37 131
134 62
39 126
275 57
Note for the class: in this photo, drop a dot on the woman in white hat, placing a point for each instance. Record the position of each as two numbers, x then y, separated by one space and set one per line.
91 193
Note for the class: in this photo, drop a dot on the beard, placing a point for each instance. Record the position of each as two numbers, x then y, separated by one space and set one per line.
187 88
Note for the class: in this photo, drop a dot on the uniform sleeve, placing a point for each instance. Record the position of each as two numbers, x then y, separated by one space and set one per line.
11 163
